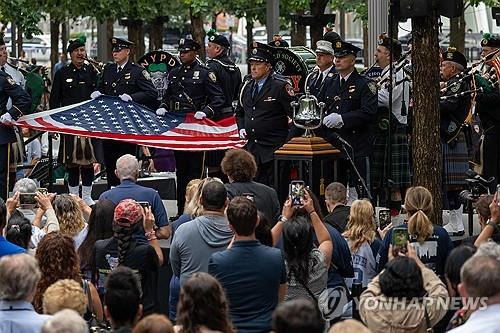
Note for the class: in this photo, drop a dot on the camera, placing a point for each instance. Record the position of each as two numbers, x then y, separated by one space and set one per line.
477 185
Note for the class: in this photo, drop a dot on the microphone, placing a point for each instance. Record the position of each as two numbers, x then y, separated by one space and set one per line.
344 142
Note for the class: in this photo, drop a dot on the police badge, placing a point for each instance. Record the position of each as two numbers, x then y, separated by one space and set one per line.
212 77
373 87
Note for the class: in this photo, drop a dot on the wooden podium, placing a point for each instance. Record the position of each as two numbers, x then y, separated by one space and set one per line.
311 153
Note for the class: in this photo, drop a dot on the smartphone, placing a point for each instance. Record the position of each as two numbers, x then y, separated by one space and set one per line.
42 190
297 190
249 196
384 218
399 237
144 204
27 199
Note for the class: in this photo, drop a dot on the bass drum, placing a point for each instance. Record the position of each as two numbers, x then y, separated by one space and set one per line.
159 64
294 62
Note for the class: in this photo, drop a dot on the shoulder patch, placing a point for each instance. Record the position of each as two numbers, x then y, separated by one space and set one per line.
455 88
289 90
372 86
212 76
146 74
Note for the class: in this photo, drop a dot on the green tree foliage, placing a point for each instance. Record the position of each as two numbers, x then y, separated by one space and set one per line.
24 13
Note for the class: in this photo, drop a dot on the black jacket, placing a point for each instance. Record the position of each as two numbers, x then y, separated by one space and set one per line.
229 79
21 103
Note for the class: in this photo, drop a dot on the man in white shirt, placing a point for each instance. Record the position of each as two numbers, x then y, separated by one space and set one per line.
480 277
390 167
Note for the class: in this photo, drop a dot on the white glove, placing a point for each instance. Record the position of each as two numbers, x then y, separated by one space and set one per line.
6 119
95 94
161 111
243 133
200 115
333 120
125 97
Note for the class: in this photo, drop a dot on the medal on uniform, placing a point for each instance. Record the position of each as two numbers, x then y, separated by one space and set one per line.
69 80
127 76
336 98
113 84
196 75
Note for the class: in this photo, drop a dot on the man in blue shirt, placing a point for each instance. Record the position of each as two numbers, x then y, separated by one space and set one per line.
127 170
6 247
19 275
253 275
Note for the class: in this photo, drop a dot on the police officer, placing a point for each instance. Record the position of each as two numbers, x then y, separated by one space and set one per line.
391 129
351 114
264 108
454 109
131 83
21 103
74 83
320 80
192 88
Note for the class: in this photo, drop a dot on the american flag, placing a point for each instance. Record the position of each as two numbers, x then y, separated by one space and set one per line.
108 117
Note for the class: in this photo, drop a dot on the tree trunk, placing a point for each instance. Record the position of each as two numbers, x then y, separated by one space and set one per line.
197 31
427 161
19 41
316 30
457 33
136 35
298 32
156 34
64 35
54 43
109 24
249 39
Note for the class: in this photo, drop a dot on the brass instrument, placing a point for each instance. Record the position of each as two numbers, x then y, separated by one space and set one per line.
98 66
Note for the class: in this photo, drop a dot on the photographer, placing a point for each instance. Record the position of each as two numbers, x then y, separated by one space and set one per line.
482 206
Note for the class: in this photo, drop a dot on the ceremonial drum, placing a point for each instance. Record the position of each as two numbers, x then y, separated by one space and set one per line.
294 62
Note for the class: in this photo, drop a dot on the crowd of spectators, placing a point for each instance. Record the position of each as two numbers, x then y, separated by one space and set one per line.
240 262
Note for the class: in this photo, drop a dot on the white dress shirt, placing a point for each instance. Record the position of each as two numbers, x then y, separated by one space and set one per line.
399 93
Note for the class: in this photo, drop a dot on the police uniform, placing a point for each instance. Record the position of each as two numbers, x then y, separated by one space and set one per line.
454 110
133 80
355 100
488 108
73 85
192 88
263 113
21 103
393 125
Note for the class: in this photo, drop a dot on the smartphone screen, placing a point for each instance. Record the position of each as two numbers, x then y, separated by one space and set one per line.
42 190
384 218
399 237
297 189
27 199
144 204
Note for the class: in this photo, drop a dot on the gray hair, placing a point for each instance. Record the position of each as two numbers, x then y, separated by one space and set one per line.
127 167
25 185
65 321
19 275
336 192
481 276
490 249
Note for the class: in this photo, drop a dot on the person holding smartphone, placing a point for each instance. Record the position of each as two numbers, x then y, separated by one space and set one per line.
432 242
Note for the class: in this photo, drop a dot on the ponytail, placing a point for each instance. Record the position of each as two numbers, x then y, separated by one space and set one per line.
123 236
420 226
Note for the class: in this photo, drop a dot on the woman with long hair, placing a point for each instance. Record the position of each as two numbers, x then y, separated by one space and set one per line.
124 249
306 264
58 260
364 246
100 226
203 307
432 242
70 217
19 230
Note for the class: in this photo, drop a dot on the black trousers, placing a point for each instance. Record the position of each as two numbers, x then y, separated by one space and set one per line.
188 165
3 171
113 150
491 153
87 173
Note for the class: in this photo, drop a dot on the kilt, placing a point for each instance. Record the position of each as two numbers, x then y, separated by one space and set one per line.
399 159
455 161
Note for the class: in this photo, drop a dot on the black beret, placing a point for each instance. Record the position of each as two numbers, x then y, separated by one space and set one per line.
219 40
76 43
278 41
332 37
452 54
490 40
388 42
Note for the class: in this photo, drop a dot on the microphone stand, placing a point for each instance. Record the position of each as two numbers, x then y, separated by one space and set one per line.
350 158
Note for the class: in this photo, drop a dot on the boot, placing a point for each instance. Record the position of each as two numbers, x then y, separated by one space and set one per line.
74 190
455 226
87 195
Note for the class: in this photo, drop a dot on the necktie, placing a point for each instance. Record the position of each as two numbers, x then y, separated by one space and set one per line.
255 90
319 80
342 82
119 69
3 69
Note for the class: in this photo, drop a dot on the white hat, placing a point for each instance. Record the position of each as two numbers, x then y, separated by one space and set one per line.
324 46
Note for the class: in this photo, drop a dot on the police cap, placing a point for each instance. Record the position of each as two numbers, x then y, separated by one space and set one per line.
118 44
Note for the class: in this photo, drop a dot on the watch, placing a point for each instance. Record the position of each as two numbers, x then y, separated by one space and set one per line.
492 224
